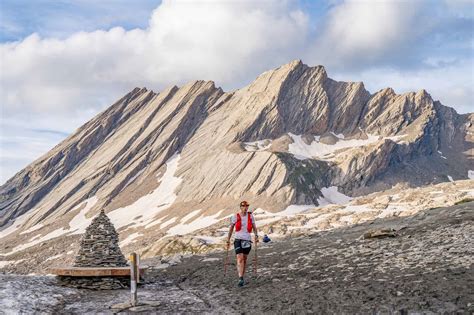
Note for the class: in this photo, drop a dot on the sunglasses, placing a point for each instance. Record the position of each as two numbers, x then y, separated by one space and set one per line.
244 206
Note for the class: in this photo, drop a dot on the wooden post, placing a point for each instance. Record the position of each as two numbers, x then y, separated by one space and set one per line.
138 268
133 278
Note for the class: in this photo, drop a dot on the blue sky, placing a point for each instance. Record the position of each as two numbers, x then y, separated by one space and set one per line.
62 62
61 18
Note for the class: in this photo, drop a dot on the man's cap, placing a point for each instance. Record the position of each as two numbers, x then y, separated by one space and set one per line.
244 203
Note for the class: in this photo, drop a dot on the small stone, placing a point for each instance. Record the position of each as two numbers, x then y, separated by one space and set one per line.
151 303
142 308
120 306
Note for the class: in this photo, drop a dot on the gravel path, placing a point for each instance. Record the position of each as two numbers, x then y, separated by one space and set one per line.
427 267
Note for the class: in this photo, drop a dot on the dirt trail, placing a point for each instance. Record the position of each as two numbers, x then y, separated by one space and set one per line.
427 267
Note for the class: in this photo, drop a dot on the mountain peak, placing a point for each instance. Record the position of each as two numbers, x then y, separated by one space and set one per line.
293 64
278 142
423 93
297 64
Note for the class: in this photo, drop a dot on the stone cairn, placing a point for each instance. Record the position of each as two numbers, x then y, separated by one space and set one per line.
100 245
99 248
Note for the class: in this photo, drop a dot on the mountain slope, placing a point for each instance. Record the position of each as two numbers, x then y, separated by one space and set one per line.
153 160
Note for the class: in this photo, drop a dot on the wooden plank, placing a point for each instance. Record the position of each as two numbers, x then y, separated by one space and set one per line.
93 271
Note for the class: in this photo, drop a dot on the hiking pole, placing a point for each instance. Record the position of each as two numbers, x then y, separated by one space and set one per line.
226 261
255 258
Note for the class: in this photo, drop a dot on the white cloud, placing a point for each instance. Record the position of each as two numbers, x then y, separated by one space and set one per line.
366 31
222 41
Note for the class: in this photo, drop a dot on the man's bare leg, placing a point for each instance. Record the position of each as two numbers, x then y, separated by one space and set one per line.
240 265
244 264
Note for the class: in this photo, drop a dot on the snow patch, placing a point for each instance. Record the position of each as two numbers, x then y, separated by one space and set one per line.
260 145
332 196
210 239
441 155
33 228
78 225
169 222
190 215
199 223
129 239
15 225
339 135
468 192
260 211
470 174
153 223
35 240
150 205
53 257
450 178
323 151
295 209
5 263
35 237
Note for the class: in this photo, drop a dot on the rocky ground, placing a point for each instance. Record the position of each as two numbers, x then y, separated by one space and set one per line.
427 267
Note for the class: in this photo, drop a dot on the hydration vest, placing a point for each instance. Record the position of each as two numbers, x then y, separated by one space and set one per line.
238 224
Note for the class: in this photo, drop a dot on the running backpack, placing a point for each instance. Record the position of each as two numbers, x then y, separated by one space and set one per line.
238 224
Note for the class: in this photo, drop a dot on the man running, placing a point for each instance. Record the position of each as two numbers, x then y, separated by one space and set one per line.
243 222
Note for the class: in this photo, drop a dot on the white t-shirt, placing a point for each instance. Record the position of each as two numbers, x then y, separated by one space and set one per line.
242 234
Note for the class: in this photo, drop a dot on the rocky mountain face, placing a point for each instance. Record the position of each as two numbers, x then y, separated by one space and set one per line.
163 164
